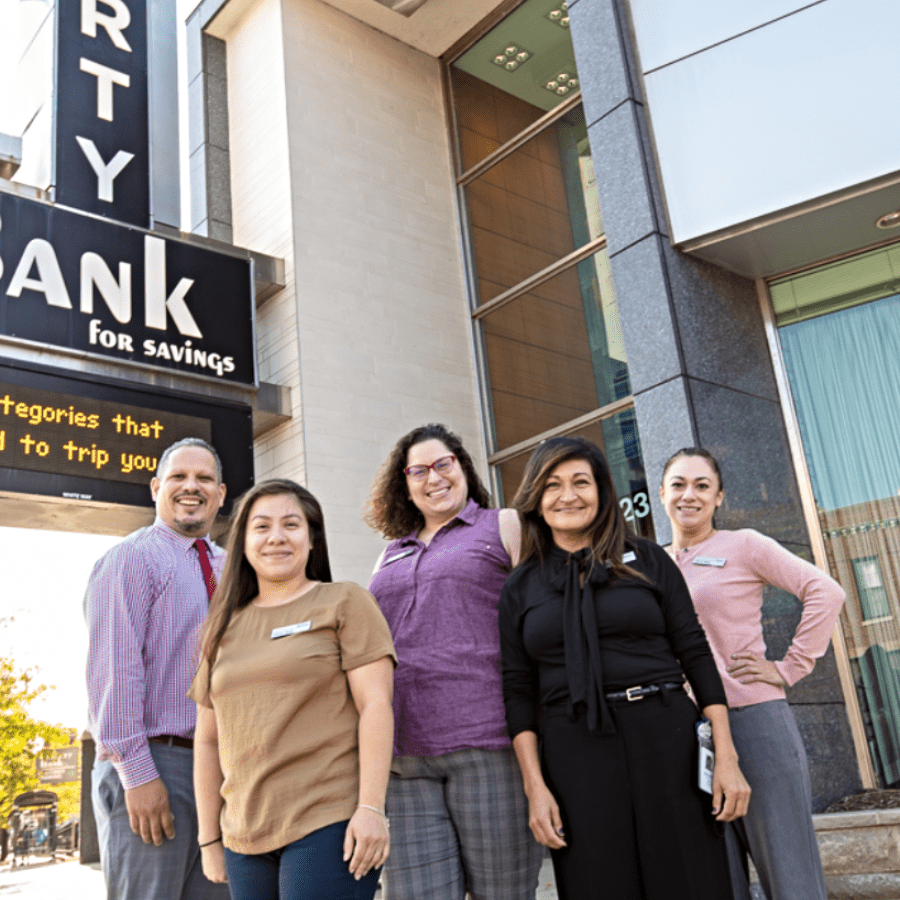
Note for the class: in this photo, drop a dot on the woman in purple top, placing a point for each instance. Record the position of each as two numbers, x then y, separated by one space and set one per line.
458 812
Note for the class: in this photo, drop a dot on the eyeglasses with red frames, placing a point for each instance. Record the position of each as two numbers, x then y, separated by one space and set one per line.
442 466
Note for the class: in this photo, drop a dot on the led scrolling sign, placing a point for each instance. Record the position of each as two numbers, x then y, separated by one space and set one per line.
43 431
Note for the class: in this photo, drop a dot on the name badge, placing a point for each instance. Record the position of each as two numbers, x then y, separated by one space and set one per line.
628 557
286 630
388 561
716 561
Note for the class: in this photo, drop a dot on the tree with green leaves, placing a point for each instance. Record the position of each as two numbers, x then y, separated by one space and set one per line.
22 739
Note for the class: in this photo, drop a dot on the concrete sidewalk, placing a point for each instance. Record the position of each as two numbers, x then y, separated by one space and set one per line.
46 880
70 880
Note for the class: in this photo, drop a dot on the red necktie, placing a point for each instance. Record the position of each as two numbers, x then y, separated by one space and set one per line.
208 575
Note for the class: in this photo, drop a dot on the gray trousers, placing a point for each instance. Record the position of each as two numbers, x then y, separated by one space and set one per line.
777 831
138 871
459 822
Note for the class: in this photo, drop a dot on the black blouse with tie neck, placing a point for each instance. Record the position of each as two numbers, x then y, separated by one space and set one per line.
569 633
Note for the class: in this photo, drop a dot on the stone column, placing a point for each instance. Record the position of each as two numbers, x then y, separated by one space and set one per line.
699 362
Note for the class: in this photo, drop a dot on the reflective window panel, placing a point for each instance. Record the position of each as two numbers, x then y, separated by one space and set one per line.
555 353
534 206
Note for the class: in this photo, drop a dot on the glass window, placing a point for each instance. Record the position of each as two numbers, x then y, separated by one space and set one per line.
872 595
840 285
553 349
534 206
844 370
840 337
555 353
519 71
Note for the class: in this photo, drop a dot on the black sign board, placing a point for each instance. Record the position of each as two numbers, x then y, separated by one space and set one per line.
81 282
102 133
58 766
64 437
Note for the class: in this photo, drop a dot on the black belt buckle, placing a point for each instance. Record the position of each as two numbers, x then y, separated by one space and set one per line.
634 693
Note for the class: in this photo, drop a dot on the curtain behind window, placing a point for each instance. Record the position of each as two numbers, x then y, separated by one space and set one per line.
844 369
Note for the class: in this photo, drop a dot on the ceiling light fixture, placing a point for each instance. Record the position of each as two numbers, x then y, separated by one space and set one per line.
889 220
511 57
562 84
560 15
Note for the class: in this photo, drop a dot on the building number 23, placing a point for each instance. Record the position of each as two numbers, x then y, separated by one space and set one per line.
635 507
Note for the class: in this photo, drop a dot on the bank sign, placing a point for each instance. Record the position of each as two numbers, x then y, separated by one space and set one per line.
100 283
92 285
102 132
58 766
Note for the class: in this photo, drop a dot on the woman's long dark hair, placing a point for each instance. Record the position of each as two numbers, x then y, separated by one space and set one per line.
609 533
238 584
389 509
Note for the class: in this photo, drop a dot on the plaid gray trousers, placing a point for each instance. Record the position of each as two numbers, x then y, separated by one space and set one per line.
459 822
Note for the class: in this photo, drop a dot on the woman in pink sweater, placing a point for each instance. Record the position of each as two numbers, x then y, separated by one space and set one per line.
726 572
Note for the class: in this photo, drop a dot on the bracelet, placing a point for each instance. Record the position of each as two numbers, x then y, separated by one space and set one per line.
373 808
210 843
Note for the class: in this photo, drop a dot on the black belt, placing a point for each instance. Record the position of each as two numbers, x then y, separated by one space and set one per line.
638 692
172 740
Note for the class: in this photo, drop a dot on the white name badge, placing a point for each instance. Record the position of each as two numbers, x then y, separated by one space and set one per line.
409 552
716 561
286 630
628 557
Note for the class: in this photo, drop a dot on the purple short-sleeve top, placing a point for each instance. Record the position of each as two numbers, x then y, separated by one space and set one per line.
440 602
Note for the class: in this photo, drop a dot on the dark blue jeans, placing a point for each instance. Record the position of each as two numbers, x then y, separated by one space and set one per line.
312 868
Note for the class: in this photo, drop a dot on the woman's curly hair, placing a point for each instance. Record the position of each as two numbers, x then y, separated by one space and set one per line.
389 509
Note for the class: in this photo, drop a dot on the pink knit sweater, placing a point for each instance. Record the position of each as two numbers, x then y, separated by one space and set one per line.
728 600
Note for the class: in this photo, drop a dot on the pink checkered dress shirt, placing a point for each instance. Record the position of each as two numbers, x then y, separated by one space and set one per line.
145 603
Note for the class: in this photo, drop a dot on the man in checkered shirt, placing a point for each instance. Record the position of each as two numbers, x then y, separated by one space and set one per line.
146 600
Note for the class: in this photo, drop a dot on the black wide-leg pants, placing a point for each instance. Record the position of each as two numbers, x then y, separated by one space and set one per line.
636 824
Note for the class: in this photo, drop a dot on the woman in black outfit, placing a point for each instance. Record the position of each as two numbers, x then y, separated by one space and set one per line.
597 633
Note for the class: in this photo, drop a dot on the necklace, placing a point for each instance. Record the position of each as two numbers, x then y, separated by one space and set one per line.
674 551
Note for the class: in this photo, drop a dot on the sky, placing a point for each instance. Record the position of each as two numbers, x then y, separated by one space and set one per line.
44 574
18 18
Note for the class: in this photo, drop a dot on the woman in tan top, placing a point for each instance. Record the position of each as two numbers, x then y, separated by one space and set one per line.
294 726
